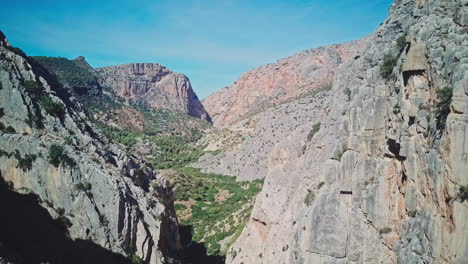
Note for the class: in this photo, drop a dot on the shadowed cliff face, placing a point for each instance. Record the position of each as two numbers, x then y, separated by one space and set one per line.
30 235
153 85
103 195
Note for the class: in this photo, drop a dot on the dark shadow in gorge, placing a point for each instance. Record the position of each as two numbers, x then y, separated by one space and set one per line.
28 234
195 253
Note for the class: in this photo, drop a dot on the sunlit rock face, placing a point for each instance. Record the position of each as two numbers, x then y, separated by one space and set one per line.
271 84
153 85
378 182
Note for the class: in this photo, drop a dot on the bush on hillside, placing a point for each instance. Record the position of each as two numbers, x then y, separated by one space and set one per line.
443 106
386 68
53 108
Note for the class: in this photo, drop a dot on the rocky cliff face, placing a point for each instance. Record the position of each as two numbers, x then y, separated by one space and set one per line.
94 191
153 85
275 83
366 172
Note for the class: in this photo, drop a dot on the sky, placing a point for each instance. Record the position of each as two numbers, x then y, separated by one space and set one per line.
211 41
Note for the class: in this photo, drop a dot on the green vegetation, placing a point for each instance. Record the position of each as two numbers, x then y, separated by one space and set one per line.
1 86
17 51
180 207
10 130
83 186
53 108
347 91
67 71
219 206
321 184
68 140
442 108
31 86
412 213
339 153
401 42
2 112
172 152
57 155
2 126
386 68
463 193
151 203
25 163
136 259
315 129
385 230
309 198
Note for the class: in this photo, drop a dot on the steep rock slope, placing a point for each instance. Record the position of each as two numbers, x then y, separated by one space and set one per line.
274 83
153 85
96 192
383 178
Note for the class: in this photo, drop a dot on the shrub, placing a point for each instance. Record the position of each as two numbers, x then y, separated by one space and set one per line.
57 155
412 213
2 126
443 106
385 230
151 203
17 51
315 129
347 91
401 42
25 163
69 140
53 108
463 194
136 259
309 198
386 68
340 153
321 184
2 112
83 186
10 130
1 86
180 207
32 86
68 161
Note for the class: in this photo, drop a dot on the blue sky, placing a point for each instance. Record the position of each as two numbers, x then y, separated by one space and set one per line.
212 42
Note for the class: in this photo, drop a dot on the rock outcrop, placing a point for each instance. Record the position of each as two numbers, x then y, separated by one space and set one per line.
275 83
96 192
364 173
153 85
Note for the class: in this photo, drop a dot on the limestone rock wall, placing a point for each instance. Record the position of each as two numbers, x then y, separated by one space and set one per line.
153 85
108 197
278 82
378 182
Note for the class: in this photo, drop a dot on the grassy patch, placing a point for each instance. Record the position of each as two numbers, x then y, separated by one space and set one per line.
214 217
